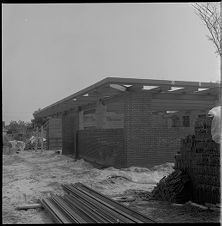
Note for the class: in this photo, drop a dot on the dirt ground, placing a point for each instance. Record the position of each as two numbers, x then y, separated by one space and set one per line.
29 176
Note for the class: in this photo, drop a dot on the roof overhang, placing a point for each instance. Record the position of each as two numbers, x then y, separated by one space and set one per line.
112 86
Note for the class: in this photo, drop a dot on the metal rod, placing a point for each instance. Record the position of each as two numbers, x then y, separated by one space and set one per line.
81 204
55 212
108 213
101 212
112 212
95 215
115 204
76 218
117 210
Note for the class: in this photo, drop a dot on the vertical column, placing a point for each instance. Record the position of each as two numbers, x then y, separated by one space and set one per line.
67 133
42 138
81 127
36 138
137 128
70 126
100 115
55 133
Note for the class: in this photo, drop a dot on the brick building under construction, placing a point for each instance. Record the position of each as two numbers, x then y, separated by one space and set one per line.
122 122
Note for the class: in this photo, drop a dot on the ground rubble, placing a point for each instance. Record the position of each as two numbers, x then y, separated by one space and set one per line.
29 176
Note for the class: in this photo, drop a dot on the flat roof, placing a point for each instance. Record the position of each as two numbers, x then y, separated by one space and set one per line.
112 86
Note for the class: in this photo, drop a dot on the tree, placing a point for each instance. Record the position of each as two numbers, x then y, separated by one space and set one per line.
209 13
20 129
38 122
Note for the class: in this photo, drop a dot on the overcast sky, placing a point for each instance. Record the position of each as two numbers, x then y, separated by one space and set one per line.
51 51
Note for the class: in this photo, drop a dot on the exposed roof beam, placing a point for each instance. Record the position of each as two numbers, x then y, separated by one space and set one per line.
183 90
177 91
190 89
213 91
134 88
159 89
203 92
118 87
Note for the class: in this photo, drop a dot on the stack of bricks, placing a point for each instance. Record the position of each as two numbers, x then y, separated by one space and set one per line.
199 156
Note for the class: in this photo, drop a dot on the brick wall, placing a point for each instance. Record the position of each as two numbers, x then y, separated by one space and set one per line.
103 146
148 140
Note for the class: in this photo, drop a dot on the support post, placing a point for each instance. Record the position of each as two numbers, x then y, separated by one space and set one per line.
42 138
36 139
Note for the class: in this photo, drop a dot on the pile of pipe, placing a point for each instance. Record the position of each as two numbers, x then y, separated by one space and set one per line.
175 188
82 204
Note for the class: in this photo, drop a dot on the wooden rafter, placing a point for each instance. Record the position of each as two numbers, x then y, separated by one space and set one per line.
177 91
184 90
135 87
212 91
159 89
118 87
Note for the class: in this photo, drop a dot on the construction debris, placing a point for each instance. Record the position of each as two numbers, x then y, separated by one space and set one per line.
175 188
35 141
81 204
16 146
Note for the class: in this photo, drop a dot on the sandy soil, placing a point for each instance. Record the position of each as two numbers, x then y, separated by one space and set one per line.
29 176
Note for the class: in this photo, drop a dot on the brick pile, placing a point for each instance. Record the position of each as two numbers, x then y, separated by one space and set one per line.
199 156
